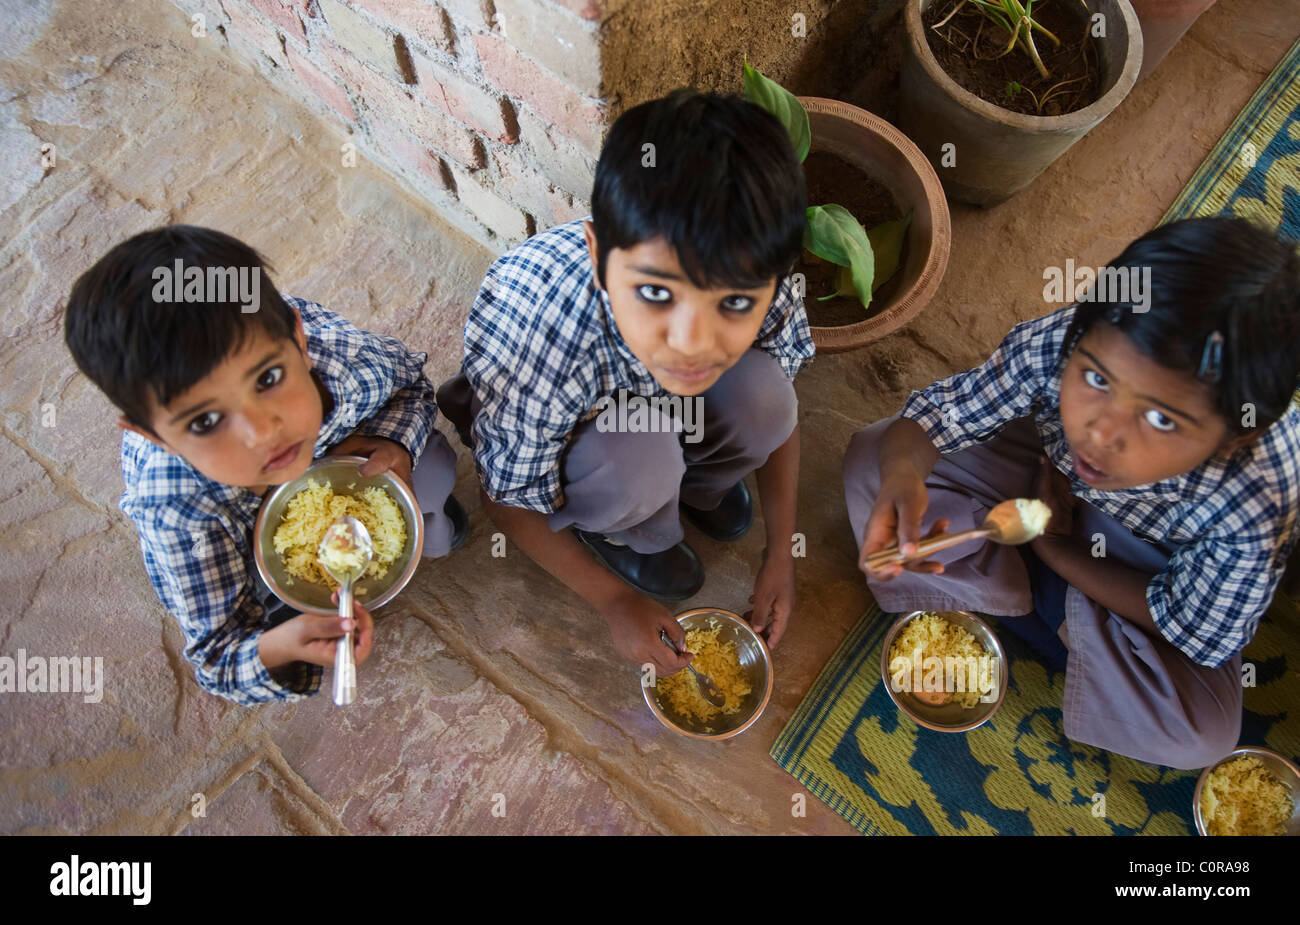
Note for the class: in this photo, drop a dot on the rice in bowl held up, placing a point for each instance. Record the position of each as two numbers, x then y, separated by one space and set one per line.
1242 797
309 514
721 662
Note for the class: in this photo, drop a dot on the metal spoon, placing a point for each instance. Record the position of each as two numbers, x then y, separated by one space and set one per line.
347 538
1004 524
708 689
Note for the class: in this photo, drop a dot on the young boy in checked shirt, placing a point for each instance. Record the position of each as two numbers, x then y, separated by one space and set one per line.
1160 430
219 403
675 286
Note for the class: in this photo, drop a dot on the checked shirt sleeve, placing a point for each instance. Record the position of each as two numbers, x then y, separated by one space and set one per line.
523 372
785 333
970 407
1209 598
406 419
408 415
202 578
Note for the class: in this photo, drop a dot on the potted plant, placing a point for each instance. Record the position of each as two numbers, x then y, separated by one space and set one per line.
1019 83
861 283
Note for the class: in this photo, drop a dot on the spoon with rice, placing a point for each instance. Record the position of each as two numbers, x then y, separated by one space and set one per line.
1011 523
708 690
345 552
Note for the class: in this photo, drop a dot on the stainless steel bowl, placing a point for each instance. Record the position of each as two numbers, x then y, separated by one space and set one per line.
341 473
952 716
756 661
1285 770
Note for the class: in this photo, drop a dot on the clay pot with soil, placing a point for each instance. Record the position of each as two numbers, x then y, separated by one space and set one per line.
990 122
863 163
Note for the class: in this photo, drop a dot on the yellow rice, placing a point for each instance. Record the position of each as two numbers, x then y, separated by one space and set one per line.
310 512
1242 797
721 662
936 637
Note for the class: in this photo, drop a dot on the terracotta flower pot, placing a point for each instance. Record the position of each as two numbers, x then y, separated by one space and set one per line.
878 149
1163 24
997 152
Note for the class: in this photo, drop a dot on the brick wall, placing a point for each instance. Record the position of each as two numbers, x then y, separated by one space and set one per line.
494 110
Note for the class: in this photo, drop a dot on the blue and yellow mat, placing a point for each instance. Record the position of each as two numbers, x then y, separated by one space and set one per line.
1254 170
1019 774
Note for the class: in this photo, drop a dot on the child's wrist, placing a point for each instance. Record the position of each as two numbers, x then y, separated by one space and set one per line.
1048 546
270 652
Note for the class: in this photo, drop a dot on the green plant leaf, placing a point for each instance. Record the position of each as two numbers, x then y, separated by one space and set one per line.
783 104
887 248
833 234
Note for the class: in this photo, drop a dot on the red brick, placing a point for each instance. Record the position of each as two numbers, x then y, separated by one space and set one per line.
564 208
522 182
283 15
247 27
507 68
422 18
563 163
482 111
321 85
389 100
397 147
371 43
469 12
502 217
555 38
587 9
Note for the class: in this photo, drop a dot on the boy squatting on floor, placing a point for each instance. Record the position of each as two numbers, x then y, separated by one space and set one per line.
677 284
220 404
1170 433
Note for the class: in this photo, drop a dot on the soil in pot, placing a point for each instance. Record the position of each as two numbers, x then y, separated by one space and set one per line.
831 179
967 46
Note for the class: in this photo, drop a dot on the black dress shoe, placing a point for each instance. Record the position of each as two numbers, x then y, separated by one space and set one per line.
672 575
730 520
459 522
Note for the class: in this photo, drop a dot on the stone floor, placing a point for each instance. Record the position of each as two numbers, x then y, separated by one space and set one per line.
488 677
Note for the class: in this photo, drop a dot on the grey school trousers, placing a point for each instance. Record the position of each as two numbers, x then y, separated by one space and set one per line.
433 477
1125 691
627 486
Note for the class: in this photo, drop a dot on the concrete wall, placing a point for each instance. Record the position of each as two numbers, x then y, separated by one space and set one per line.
494 110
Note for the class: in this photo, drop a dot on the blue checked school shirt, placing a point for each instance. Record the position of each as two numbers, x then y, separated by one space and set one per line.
542 348
1233 521
196 534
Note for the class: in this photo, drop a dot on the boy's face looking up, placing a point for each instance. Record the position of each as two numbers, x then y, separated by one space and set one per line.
686 336
251 422
1130 421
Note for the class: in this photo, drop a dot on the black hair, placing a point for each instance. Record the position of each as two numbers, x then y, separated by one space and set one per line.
1223 305
133 345
722 186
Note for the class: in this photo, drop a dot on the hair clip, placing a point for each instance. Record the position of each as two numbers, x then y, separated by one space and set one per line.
1211 359
1115 313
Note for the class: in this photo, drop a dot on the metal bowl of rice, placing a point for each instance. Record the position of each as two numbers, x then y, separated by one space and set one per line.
964 677
755 672
340 474
1281 769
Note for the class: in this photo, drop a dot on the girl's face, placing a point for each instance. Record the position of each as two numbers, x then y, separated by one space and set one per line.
1130 421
